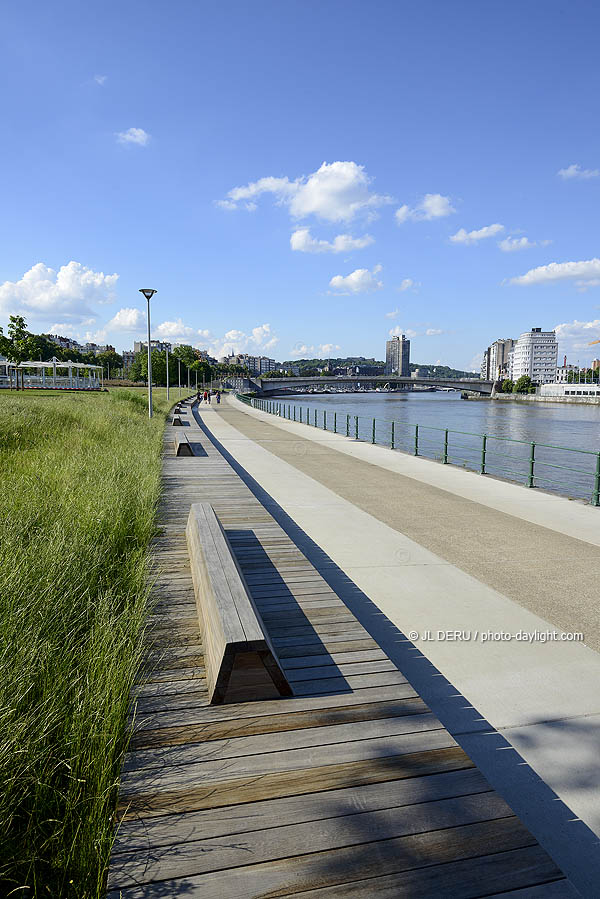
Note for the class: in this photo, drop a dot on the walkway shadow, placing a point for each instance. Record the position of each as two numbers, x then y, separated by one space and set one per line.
289 628
573 845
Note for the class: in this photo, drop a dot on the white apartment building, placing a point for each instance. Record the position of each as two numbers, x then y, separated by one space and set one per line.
535 354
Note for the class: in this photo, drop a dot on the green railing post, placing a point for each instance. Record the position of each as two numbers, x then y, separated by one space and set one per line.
335 422
392 441
373 436
294 413
416 440
324 419
347 425
483 452
356 427
315 418
596 497
530 479
445 458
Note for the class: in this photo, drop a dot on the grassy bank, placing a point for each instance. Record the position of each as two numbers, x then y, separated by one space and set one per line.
79 483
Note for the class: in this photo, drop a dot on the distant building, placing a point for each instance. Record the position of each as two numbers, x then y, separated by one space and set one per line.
128 358
66 343
563 372
534 355
495 364
140 346
397 357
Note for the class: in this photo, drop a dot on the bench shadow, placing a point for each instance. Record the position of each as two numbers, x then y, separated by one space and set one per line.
197 448
291 631
573 845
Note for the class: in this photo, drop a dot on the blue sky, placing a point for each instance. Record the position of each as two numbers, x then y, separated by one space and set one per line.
303 178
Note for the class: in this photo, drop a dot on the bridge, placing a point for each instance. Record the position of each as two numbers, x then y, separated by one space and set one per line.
272 386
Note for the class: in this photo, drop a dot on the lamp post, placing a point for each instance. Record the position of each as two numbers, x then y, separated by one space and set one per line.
148 293
167 353
179 375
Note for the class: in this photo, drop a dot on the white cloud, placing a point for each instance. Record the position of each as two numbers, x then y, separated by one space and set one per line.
43 292
399 331
322 351
583 273
169 330
336 192
510 244
133 136
393 314
433 332
260 341
359 281
582 286
575 171
126 319
576 336
407 284
303 241
471 237
100 79
432 206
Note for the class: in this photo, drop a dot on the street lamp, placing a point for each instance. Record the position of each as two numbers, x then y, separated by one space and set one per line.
148 293
167 354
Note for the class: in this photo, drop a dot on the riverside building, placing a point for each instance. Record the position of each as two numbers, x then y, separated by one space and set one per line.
535 355
397 357
495 364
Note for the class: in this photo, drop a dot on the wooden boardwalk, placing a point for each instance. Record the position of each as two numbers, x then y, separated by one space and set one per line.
352 788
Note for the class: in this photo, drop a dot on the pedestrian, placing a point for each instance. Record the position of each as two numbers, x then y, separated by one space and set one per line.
205 396
218 397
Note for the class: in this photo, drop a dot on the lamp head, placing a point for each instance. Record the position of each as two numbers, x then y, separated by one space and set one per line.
148 293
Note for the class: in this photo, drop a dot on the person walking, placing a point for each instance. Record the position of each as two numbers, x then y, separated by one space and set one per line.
205 396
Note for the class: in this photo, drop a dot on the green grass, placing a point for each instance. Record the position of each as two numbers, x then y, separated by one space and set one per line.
79 486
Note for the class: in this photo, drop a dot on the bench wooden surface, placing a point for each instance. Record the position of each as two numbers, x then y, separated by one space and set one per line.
239 658
182 444
349 788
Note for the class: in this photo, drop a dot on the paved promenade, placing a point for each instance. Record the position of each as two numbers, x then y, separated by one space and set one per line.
438 549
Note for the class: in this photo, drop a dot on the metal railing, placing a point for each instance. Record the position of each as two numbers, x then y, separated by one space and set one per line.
527 462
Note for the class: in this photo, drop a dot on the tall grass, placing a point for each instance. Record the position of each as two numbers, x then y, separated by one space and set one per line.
79 485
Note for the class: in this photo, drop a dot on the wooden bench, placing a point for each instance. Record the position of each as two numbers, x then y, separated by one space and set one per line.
182 445
241 664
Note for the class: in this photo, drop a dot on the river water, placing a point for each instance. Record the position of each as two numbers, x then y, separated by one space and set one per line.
574 427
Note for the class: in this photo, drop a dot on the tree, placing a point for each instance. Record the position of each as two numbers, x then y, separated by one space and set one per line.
20 345
108 361
522 385
507 386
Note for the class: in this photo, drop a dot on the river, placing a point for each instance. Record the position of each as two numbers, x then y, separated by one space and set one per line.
574 427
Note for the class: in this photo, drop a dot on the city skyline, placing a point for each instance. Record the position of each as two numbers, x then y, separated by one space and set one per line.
439 191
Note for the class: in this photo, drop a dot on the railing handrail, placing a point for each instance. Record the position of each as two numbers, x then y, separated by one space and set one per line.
446 452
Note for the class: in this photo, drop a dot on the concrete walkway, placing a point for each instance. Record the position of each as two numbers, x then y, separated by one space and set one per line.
440 549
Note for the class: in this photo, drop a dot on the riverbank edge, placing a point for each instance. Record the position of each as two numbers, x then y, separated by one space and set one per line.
534 398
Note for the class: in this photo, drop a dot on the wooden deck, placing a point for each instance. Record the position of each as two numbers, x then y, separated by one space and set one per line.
352 788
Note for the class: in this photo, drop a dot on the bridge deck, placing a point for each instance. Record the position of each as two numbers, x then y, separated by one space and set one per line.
351 788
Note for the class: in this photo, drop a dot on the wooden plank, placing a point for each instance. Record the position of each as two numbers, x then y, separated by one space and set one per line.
134 836
323 869
464 880
202 856
272 785
278 741
217 770
217 730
